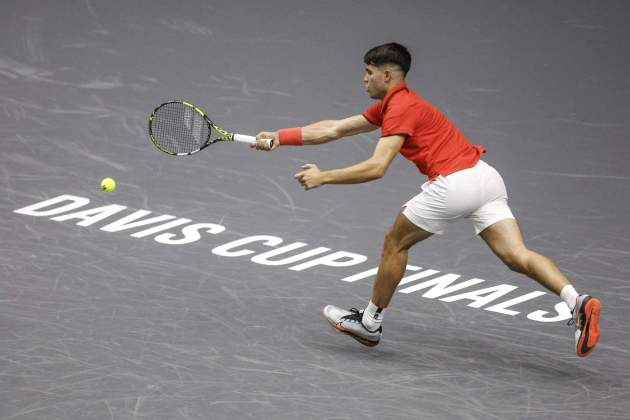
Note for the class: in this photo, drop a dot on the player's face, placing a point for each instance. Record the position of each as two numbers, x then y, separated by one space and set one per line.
374 81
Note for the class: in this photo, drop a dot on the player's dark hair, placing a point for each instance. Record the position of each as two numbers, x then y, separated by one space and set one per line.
390 53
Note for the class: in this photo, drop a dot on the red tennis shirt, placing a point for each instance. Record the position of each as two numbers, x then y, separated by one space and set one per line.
432 142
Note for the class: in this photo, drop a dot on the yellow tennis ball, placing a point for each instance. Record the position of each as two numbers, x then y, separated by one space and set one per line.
108 184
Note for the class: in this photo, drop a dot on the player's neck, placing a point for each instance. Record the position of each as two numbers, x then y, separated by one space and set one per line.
392 84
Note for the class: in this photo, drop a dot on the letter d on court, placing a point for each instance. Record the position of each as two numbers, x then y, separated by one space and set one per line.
36 209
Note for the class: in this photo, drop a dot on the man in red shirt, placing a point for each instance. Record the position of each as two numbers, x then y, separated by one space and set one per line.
460 185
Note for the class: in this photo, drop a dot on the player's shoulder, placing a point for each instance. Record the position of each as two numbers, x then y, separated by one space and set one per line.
406 100
405 97
412 96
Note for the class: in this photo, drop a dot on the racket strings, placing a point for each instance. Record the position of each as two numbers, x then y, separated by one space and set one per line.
179 129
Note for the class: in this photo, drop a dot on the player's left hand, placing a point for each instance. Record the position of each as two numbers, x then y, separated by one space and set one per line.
310 177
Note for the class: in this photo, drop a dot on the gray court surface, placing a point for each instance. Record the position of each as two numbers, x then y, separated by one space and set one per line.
101 318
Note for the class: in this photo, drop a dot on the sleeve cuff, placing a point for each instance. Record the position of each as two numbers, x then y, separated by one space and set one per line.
368 119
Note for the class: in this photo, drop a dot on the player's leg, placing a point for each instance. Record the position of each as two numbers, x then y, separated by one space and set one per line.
495 223
401 236
506 241
365 325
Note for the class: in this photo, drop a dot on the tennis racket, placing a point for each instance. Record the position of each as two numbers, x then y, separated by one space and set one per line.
180 128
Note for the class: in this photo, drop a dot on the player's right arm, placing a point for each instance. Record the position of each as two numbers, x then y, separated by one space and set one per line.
323 131
328 130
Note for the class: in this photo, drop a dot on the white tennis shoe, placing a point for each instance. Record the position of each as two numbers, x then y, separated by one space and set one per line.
349 322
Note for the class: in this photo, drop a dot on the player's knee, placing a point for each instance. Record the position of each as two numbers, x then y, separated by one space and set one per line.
516 260
392 243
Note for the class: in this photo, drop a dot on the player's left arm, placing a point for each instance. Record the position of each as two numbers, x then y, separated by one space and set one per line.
368 170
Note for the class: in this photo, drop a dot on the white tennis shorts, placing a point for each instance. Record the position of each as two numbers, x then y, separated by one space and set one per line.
476 193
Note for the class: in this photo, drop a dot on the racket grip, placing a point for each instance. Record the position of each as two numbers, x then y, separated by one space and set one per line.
251 139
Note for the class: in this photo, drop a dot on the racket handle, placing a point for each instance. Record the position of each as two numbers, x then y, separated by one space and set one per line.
251 139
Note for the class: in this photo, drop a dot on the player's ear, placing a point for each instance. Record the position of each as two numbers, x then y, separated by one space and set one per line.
387 75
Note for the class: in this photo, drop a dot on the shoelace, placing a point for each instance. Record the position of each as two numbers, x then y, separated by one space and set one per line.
573 320
574 314
356 315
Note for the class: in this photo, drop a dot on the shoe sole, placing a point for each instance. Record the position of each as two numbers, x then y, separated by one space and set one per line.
342 330
591 333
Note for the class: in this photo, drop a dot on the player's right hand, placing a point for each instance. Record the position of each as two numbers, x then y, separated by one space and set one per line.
262 145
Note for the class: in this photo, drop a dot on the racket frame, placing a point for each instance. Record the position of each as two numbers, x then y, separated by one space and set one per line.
223 135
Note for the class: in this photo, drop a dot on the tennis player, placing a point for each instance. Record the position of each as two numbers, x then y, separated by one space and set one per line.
460 186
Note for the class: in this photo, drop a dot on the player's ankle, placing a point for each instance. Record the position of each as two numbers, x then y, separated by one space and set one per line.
569 295
372 317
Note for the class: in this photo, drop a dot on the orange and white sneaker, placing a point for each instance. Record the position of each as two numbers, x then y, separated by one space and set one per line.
586 320
349 322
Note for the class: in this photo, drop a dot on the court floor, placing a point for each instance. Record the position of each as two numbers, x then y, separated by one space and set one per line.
194 291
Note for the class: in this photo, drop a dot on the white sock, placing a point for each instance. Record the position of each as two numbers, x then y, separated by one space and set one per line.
569 295
372 317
